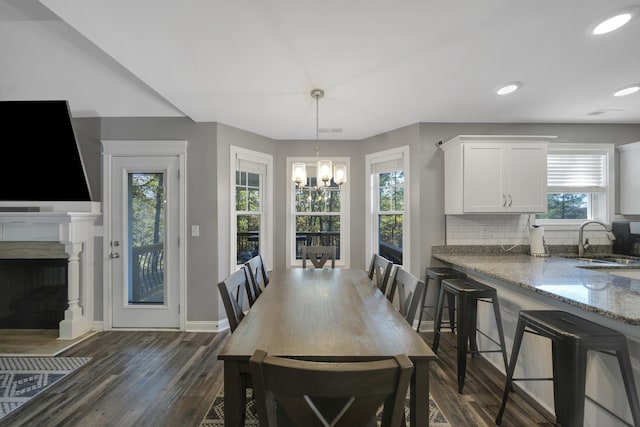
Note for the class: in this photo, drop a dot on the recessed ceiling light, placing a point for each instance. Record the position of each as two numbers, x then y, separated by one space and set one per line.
627 90
612 24
614 21
509 88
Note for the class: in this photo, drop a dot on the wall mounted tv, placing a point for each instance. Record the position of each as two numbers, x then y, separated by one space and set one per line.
41 159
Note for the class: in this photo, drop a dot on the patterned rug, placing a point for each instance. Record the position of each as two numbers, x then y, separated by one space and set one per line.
22 378
215 416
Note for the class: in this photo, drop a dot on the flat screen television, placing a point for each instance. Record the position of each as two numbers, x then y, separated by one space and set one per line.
40 156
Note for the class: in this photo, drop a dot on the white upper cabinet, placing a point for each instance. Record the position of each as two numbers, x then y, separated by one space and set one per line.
495 174
630 178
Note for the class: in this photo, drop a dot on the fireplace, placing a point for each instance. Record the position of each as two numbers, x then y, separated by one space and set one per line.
55 235
33 293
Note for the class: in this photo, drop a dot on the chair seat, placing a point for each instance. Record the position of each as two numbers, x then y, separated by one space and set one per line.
438 274
467 293
572 337
561 325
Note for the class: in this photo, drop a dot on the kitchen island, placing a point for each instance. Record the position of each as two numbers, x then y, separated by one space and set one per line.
605 295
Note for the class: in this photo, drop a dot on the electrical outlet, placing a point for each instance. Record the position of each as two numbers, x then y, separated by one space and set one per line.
195 230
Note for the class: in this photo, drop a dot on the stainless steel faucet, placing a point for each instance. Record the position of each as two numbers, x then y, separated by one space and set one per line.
582 245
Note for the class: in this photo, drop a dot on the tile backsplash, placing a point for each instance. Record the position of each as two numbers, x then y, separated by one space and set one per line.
509 230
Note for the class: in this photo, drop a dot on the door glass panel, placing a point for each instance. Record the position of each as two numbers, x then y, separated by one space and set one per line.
146 236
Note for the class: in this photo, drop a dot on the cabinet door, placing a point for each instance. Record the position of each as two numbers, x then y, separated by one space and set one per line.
527 178
484 166
630 178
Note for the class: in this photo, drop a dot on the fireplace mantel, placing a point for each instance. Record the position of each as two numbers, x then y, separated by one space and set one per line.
72 224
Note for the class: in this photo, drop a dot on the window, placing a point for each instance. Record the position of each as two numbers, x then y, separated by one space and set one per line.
251 212
579 183
318 215
387 227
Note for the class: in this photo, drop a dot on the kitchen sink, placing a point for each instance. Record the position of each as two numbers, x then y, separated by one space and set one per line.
598 261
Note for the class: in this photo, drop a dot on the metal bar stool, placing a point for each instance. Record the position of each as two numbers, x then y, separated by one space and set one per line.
571 337
467 293
438 274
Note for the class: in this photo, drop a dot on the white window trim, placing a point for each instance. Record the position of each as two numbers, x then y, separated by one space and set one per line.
371 235
602 213
266 224
345 218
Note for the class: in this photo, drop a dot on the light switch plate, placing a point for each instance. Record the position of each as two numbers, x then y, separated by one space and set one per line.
195 230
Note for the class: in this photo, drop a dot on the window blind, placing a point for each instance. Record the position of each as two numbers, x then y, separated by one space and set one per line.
389 165
250 166
576 173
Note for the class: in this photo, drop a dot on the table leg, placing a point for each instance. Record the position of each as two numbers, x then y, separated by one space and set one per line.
234 394
419 399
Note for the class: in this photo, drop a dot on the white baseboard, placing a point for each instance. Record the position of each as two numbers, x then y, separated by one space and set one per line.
194 326
215 326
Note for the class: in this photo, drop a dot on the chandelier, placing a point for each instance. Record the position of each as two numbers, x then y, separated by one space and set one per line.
325 170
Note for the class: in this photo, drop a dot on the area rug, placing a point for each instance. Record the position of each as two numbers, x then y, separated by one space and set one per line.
22 378
215 416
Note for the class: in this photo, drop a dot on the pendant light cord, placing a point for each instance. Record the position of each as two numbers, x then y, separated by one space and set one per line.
317 125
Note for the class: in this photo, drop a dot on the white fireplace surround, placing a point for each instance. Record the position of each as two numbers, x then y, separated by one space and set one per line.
69 223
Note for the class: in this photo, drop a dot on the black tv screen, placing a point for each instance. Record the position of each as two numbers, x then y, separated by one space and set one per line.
40 156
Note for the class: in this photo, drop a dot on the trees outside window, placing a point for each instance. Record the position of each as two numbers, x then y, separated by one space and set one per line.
251 222
387 224
391 215
316 214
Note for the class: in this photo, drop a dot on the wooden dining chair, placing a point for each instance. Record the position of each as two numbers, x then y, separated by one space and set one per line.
292 392
319 255
409 289
256 278
232 291
379 271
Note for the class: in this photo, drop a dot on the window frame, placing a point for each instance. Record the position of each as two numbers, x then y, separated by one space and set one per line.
345 213
400 154
266 197
602 204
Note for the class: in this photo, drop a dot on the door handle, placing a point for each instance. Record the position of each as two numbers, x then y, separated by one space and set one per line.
114 255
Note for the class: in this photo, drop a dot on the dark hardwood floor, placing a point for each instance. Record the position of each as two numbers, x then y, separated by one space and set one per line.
170 379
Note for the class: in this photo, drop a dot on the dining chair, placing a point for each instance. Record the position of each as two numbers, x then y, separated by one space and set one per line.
409 289
232 290
379 271
256 278
319 255
265 272
291 392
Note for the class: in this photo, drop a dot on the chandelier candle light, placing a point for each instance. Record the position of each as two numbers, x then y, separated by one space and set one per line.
324 168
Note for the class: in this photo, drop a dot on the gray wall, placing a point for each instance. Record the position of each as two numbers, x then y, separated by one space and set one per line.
208 195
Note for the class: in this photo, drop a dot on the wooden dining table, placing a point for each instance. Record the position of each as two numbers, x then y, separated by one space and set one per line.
323 314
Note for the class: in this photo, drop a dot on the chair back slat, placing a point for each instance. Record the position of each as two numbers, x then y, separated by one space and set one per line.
256 278
379 271
232 291
409 290
340 394
319 255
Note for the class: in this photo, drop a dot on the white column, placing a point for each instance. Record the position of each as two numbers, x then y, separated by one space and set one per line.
73 323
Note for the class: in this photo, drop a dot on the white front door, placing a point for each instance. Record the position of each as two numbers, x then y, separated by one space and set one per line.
144 242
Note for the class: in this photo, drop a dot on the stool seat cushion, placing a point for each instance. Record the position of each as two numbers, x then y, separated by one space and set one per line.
444 272
561 325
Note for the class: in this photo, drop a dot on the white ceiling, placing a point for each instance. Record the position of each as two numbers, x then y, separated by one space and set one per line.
382 64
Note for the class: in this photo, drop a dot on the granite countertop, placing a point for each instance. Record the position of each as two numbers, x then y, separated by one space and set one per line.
558 277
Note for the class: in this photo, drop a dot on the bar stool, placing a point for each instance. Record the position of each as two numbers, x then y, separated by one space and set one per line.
467 293
438 274
571 338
